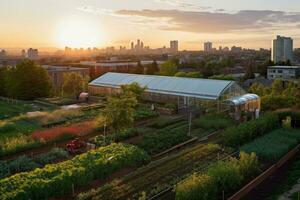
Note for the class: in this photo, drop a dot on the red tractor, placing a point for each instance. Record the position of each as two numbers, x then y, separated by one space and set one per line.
76 146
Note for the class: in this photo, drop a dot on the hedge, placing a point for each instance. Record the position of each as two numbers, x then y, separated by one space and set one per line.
58 179
248 131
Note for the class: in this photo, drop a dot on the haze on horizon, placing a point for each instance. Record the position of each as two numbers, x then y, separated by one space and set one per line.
100 23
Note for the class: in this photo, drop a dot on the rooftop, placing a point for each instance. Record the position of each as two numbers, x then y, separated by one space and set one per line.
189 87
52 68
284 67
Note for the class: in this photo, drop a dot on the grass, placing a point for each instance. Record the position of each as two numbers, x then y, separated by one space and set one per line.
213 121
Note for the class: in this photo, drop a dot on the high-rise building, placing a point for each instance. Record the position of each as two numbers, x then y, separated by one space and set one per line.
23 53
32 54
174 46
282 49
208 46
132 45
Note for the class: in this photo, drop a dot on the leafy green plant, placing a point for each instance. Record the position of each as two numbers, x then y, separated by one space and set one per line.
58 179
248 131
274 145
164 139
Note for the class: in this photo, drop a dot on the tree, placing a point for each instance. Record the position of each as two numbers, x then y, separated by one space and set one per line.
249 72
74 84
133 89
263 69
139 68
119 113
3 76
168 68
258 89
277 87
152 69
28 81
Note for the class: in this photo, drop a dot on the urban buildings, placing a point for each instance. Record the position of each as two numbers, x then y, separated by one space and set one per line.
282 49
32 54
56 74
173 46
284 73
208 46
2 53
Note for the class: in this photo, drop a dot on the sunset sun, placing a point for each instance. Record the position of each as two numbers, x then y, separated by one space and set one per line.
79 33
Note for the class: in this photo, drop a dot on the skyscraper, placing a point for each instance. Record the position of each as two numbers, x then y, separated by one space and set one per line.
32 54
208 46
282 49
173 46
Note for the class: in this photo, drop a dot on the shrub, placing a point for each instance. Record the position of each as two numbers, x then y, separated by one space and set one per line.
57 179
224 176
163 122
274 145
243 133
197 187
52 156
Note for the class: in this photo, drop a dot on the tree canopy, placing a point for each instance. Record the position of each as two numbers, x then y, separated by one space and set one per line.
74 84
27 81
169 68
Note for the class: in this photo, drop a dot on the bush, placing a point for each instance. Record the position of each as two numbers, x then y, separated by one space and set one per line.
224 176
197 187
227 176
57 179
236 136
274 145
213 121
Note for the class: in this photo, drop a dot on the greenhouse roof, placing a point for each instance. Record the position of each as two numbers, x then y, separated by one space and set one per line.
178 86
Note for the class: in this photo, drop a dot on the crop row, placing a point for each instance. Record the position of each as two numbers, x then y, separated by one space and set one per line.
58 179
158 175
25 163
248 131
274 145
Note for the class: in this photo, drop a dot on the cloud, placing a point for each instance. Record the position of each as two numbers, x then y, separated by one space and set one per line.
216 22
183 5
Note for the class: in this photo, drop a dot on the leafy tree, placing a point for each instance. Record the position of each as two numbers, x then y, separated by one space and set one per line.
189 74
152 69
263 69
28 81
139 69
168 68
119 112
3 76
133 89
258 89
74 84
277 87
222 77
249 72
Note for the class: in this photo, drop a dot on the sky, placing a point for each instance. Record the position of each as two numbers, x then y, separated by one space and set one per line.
100 23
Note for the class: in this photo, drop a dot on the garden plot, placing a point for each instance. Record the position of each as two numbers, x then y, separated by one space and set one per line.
158 175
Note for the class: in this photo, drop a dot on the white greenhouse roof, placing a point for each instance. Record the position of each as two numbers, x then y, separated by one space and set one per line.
178 86
241 100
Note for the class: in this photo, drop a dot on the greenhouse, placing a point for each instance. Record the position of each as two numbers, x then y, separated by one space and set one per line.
184 92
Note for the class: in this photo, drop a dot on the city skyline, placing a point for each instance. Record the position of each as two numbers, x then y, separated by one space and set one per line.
91 23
